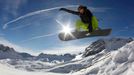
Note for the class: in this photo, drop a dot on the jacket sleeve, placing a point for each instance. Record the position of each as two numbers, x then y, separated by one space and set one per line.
71 11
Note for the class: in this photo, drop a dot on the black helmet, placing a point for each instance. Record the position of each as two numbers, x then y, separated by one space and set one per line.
82 7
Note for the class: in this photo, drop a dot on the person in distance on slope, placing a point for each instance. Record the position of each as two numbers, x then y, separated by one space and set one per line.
88 22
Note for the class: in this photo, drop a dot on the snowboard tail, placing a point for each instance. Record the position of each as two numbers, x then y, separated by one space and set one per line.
82 34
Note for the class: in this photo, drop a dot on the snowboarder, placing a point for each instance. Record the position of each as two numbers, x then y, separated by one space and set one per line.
86 27
88 22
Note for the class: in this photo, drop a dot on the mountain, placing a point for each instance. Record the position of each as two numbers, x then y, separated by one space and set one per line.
52 57
9 53
6 52
106 44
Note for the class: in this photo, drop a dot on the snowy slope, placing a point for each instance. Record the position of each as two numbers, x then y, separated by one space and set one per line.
120 62
27 64
6 70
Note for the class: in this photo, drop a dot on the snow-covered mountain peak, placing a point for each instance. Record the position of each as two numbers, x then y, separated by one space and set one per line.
106 45
52 57
6 48
7 52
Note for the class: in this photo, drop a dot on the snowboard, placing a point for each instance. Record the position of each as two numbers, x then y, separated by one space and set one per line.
83 34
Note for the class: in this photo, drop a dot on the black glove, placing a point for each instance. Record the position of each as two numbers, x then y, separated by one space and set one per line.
62 9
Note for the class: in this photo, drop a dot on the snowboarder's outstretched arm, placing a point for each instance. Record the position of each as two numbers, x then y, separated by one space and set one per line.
70 11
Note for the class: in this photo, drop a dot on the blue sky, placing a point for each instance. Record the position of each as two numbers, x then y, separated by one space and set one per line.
39 30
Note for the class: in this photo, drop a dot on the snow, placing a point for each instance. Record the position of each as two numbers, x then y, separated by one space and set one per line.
120 62
110 61
28 65
5 70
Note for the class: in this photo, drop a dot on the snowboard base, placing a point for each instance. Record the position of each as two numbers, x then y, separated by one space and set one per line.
83 34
